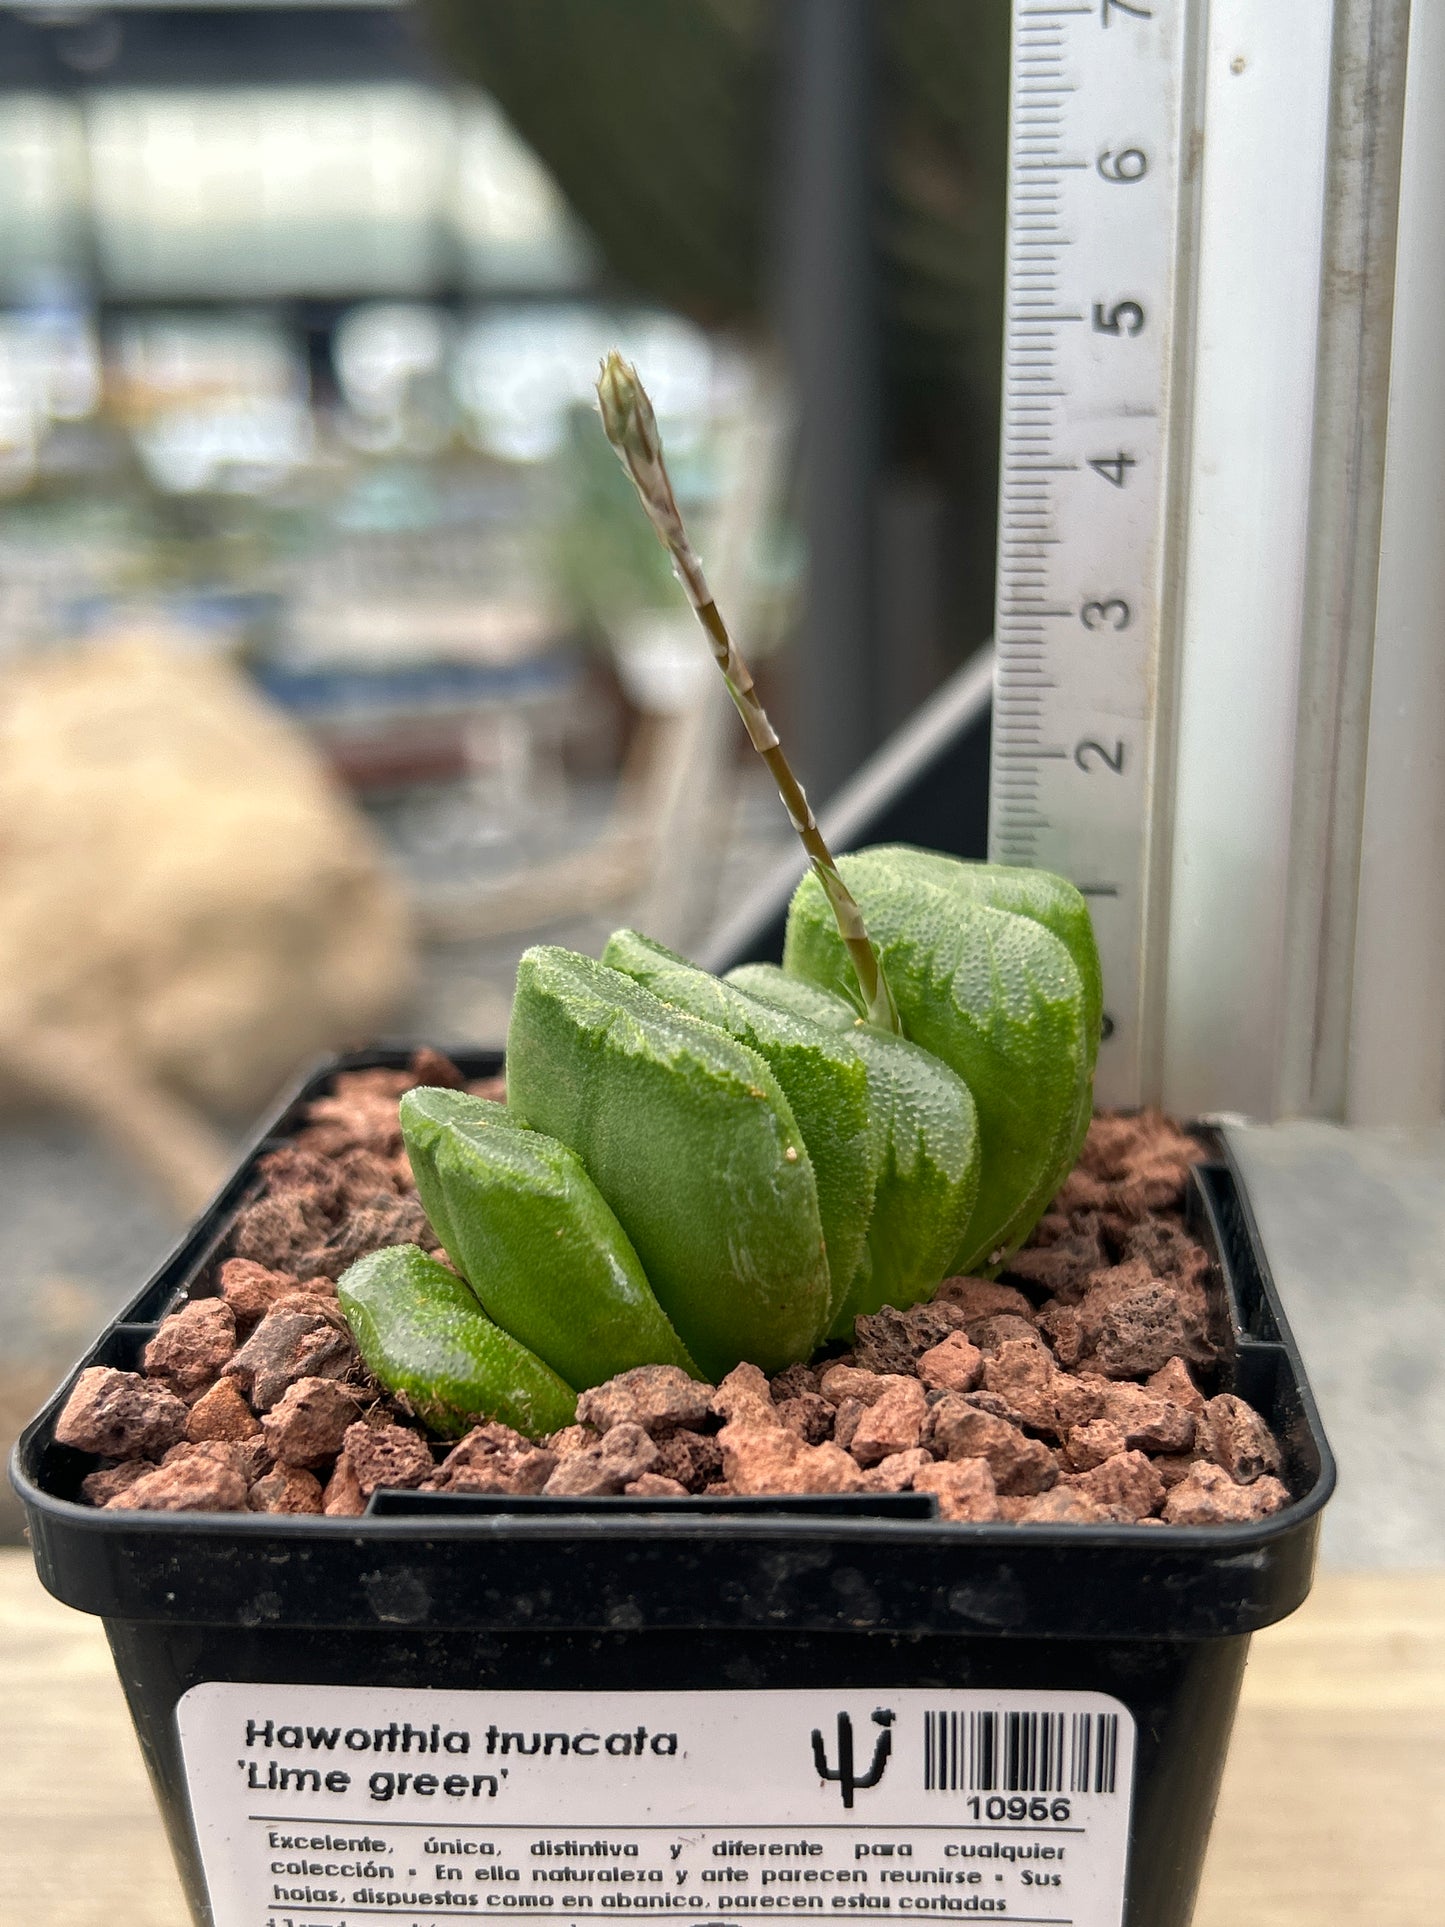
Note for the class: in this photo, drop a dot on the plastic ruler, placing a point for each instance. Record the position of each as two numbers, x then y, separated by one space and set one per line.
1166 209
1099 102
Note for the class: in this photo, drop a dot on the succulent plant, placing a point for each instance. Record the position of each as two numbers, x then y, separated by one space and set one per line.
698 1171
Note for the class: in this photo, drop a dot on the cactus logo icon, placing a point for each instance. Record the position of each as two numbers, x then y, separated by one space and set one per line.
848 1778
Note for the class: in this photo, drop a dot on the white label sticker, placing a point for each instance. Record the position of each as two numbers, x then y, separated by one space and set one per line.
327 1806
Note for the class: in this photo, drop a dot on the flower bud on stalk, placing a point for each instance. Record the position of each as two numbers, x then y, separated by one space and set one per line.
631 428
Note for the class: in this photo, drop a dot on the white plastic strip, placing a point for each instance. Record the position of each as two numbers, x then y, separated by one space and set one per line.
1266 116
1397 1040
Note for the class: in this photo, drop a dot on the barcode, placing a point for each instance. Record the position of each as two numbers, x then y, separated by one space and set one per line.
1020 1752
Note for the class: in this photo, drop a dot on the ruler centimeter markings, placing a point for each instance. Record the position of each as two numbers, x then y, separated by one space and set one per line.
1098 90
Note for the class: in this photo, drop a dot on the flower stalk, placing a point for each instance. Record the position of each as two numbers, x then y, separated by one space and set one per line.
631 427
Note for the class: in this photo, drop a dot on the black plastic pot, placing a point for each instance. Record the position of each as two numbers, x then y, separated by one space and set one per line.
882 1623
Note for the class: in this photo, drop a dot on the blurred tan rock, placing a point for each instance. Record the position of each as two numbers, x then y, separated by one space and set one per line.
187 901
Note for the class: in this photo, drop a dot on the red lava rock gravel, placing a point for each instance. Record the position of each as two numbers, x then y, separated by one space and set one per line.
495 1459
192 1346
386 1455
286 1488
622 1455
954 1366
1079 1387
308 1423
222 1413
965 1489
287 1346
199 1484
1207 1496
120 1415
659 1398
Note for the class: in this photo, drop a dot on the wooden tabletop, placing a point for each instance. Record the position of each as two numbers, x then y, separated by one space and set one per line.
1333 1810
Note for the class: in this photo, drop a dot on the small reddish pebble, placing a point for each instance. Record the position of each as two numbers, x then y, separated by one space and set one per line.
965 1489
1174 1381
894 1422
387 1456
954 1366
1236 1437
1063 1505
197 1484
897 1472
982 1298
250 1289
492 1458
286 1346
659 1398
222 1413
289 1488
694 1459
571 1438
120 1415
889 1341
307 1424
191 1346
1126 1486
744 1397
1089 1445
343 1497
1018 1464
1021 1372
850 1381
762 1459
101 1486
1207 1496
621 1455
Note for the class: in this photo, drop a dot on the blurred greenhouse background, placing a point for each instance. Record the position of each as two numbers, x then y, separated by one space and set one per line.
336 662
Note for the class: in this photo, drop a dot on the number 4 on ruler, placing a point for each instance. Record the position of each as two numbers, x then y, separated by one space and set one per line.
1112 467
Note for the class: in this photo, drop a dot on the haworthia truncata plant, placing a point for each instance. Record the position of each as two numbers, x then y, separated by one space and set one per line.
695 1171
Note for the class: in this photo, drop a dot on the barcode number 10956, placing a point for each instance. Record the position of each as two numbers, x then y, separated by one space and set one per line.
998 1806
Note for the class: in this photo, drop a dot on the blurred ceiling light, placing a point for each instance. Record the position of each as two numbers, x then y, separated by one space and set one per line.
257 191
42 185
513 227
385 188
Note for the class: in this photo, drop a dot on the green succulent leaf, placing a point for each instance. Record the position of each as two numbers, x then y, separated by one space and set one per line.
929 1161
687 1134
1037 894
995 994
535 1239
821 1076
423 1334
1048 899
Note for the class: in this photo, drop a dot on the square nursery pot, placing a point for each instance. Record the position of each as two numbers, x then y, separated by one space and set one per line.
715 1708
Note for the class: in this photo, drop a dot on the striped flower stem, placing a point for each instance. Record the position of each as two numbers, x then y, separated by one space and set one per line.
631 427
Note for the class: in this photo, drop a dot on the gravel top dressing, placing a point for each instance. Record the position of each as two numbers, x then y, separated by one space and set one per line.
1074 1387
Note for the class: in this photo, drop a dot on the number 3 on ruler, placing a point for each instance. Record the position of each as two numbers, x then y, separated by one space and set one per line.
1114 611
1109 759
